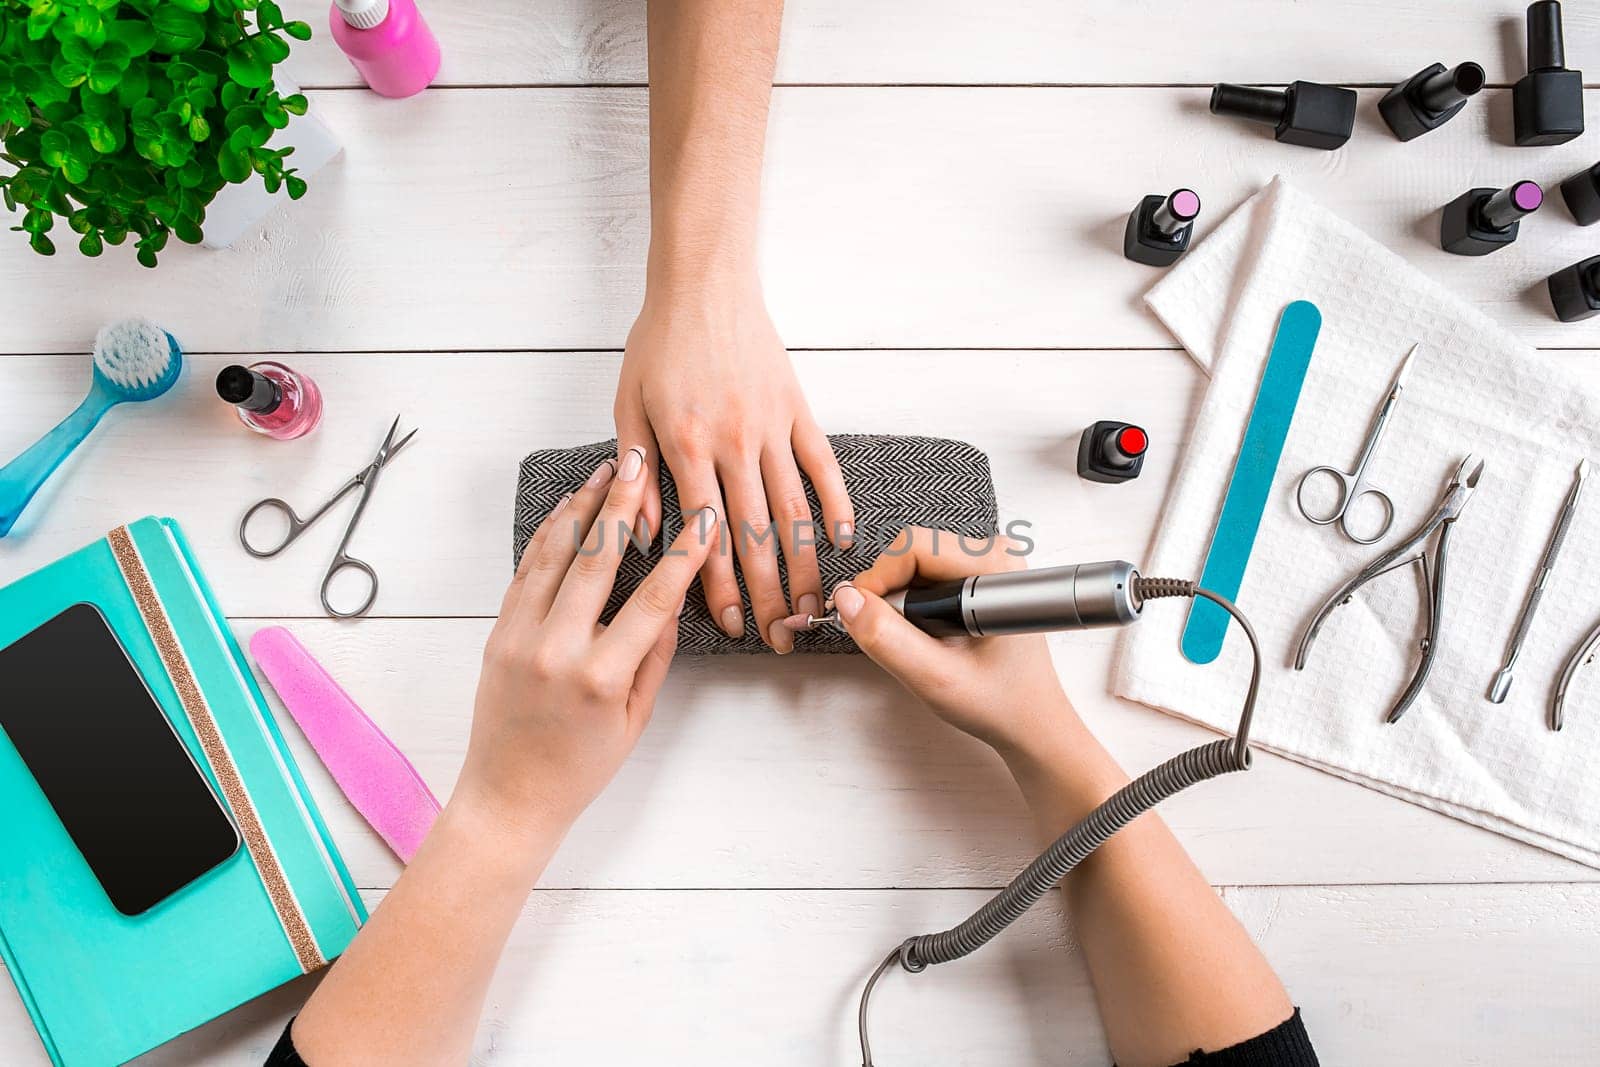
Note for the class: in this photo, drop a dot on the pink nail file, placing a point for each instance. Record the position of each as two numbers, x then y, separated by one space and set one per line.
374 775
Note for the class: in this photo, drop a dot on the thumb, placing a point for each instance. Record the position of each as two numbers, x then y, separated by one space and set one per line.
888 639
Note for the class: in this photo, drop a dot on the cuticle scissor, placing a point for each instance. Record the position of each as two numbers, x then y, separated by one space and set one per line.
366 480
1353 483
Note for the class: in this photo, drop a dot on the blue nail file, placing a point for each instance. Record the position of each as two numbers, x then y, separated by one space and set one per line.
1253 474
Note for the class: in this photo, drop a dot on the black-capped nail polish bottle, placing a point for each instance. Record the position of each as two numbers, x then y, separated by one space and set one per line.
1582 194
1306 113
1547 104
1159 229
1575 290
1430 98
1111 452
1481 221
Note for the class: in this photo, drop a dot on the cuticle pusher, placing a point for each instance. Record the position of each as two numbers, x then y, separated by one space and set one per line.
1501 684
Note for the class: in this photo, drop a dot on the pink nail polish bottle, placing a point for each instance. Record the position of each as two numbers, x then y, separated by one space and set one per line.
389 43
272 399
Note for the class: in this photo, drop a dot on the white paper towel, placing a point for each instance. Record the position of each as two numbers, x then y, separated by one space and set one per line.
1473 388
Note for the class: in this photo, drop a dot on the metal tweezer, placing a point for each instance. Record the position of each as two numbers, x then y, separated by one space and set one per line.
1502 679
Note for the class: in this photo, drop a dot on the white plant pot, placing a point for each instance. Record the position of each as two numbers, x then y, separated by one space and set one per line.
239 209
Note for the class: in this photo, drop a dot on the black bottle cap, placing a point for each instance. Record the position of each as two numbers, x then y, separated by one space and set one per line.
1546 48
248 389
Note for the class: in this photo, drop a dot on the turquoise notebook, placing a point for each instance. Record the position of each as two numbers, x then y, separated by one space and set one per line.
103 987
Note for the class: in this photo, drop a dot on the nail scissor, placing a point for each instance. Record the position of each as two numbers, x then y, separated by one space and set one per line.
1353 484
1413 549
366 480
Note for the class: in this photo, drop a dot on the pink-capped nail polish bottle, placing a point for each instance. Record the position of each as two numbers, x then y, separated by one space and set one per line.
389 43
272 399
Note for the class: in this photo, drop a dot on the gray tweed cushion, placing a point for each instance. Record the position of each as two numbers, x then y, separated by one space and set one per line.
894 482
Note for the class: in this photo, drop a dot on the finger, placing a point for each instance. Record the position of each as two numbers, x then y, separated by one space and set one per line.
697 481
936 555
816 458
887 638
650 675
797 530
634 426
755 542
530 552
550 556
654 605
587 586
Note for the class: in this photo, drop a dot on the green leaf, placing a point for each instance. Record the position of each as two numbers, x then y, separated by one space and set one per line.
188 232
247 66
177 30
104 138
296 187
39 25
146 256
42 244
196 6
269 16
199 128
300 31
54 147
271 47
67 73
233 165
104 77
91 244
136 35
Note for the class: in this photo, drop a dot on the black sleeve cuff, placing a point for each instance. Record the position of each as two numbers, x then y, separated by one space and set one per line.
283 1053
1285 1045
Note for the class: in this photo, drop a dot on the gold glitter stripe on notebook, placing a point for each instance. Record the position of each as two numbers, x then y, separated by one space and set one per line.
220 760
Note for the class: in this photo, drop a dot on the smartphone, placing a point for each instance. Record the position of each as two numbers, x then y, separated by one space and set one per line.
120 779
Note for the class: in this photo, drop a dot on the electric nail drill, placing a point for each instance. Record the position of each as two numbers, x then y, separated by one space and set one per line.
1306 113
1547 104
1076 597
1480 221
1159 229
1429 99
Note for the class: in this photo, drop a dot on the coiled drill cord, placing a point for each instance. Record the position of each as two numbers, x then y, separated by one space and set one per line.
1073 847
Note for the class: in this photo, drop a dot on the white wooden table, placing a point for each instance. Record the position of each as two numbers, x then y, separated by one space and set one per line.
946 186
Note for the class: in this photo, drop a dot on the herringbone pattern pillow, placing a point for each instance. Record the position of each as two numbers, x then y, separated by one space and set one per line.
894 482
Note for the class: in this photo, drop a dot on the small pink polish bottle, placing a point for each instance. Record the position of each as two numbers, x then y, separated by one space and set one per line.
389 43
272 399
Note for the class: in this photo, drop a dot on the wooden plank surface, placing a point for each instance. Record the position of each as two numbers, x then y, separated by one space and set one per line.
1395 975
591 42
917 217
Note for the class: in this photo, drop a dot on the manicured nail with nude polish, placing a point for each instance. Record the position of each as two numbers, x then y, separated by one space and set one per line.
848 599
732 622
847 534
781 638
810 604
632 464
602 474
559 505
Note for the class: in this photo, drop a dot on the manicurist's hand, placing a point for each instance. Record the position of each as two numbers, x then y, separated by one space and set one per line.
1004 692
1173 970
562 699
708 384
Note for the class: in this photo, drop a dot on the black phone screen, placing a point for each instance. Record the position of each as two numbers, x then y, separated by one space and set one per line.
119 778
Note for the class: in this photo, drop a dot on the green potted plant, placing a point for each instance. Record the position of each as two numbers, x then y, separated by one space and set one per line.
129 117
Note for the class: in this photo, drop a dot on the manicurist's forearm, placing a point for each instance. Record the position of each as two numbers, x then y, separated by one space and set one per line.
1173 970
410 988
711 66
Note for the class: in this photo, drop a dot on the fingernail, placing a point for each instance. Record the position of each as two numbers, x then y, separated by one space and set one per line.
733 622
848 599
781 638
847 534
602 474
559 505
810 604
632 464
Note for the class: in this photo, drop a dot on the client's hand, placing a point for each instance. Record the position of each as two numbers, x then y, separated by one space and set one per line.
707 381
1003 691
562 699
